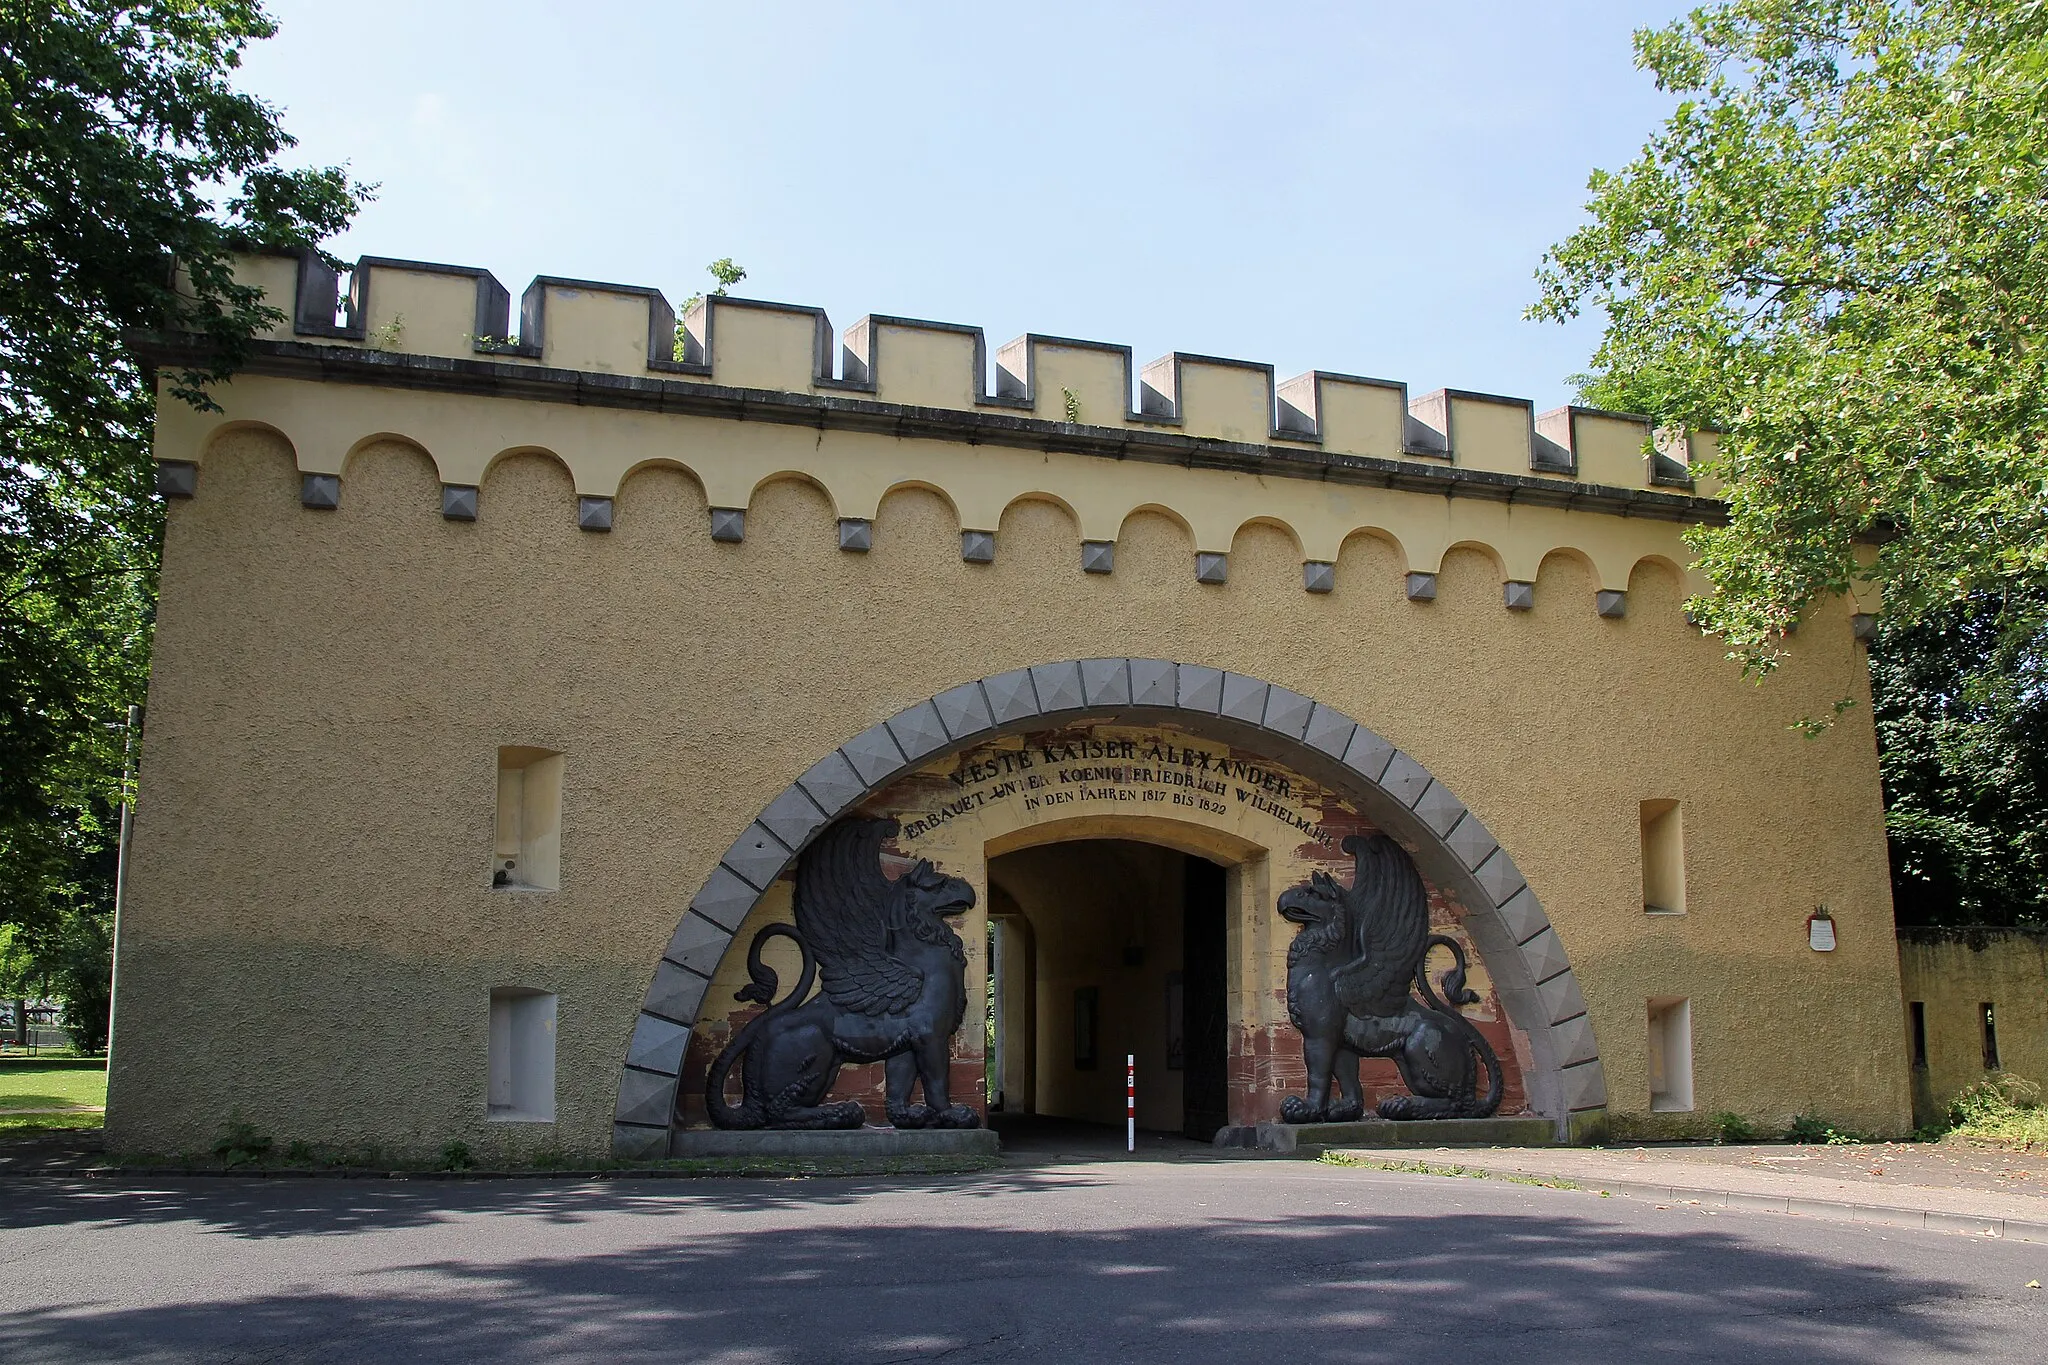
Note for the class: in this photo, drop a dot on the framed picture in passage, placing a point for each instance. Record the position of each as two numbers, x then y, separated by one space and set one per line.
1087 1016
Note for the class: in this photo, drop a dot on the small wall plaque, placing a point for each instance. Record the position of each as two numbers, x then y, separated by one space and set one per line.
1820 931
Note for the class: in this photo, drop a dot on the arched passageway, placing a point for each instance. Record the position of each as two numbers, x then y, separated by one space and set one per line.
1248 775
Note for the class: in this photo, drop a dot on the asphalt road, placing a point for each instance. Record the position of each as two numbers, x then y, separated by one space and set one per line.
1125 1262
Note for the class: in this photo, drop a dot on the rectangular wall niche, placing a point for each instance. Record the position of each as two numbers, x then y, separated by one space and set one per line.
522 1055
528 852
1670 1055
1663 858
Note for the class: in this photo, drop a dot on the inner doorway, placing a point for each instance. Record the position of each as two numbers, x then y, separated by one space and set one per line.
1102 949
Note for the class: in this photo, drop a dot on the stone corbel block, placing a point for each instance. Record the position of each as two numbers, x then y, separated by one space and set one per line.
1318 575
1611 604
321 492
1422 587
1863 625
593 514
1517 595
978 547
1212 568
729 524
177 478
458 501
856 535
1098 556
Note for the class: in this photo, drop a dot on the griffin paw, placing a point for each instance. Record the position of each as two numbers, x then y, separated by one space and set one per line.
847 1114
912 1116
1345 1111
1295 1109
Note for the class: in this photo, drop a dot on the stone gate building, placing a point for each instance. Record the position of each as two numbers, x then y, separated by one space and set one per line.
505 667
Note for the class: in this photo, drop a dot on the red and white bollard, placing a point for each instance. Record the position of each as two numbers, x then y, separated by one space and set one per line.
1130 1102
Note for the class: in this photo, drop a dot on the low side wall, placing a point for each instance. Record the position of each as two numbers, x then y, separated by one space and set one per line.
1953 973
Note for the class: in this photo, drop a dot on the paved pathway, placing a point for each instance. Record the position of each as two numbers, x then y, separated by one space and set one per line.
1967 1183
1130 1261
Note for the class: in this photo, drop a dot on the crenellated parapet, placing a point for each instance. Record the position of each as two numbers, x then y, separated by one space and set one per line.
461 312
606 378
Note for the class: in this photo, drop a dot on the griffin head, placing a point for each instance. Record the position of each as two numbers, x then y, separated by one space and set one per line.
928 893
1319 900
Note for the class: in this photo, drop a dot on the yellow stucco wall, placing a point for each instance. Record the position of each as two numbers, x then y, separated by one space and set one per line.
310 937
1953 974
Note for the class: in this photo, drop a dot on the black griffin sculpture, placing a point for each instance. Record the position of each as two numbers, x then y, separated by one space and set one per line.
894 977
1349 972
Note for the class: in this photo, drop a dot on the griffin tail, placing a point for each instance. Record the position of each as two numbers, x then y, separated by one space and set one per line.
752 1110
1457 993
1453 981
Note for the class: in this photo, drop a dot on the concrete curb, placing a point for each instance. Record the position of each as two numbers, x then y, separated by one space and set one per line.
1834 1210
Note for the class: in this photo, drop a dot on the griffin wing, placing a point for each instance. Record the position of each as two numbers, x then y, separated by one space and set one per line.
843 910
1389 926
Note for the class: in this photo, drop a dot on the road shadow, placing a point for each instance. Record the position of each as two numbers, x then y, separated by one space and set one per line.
1548 1284
287 1207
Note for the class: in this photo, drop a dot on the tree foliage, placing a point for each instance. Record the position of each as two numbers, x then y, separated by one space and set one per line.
1835 251
124 147
1961 703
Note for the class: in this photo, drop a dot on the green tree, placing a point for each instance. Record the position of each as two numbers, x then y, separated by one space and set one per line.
727 275
124 148
1835 251
1961 705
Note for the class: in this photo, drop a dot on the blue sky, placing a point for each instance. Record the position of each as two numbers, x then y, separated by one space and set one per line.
1358 187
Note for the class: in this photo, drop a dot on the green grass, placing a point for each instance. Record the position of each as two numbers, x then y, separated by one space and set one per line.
28 1125
52 1085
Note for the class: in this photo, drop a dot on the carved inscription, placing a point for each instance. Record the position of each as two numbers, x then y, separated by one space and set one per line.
1135 772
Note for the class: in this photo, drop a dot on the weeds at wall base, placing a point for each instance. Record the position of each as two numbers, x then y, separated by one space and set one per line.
2002 1111
1728 1128
1431 1168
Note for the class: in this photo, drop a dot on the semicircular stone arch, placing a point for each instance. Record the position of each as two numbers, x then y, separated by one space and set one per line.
1452 848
